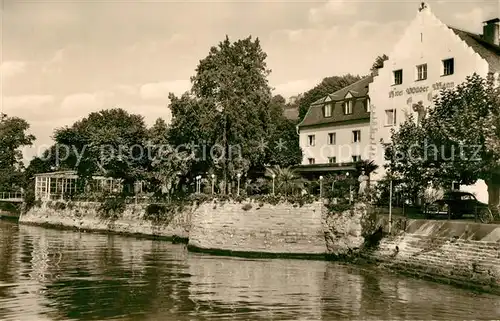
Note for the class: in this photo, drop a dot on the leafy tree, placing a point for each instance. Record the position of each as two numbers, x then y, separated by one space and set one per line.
284 150
13 136
463 123
227 107
287 180
407 163
379 62
110 142
457 142
168 165
327 86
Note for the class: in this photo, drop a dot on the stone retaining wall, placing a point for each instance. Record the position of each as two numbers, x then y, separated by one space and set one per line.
251 227
86 216
451 251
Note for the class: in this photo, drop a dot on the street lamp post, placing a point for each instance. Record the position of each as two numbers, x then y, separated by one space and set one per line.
198 184
274 176
321 187
350 190
213 182
239 176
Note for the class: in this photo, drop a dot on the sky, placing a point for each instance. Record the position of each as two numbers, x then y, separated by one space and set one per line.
61 59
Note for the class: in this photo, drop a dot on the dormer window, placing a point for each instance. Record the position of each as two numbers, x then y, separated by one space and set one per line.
347 107
327 110
366 105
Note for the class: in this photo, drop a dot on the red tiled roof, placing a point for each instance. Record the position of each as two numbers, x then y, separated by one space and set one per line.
488 51
359 91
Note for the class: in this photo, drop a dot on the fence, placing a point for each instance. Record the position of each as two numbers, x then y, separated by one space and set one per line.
11 196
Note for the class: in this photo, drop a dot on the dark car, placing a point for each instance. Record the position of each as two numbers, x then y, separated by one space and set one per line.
456 204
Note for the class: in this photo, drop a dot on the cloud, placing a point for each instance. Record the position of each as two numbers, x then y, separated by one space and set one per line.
81 104
160 90
59 57
128 90
295 87
471 19
26 101
12 68
332 8
150 112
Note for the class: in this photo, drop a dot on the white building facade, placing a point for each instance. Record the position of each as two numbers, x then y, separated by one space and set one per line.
430 56
336 129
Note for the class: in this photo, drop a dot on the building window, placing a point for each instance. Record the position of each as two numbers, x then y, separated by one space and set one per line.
390 117
311 140
332 138
366 105
422 72
398 77
328 110
311 161
448 66
356 136
348 107
356 158
332 160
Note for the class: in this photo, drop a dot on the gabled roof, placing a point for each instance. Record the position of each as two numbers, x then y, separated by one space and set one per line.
487 51
358 89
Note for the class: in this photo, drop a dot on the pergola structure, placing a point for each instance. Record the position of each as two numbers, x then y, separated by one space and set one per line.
62 185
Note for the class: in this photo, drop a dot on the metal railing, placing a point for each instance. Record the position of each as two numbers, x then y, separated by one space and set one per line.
11 196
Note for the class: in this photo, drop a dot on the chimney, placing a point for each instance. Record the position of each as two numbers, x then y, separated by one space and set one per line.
491 31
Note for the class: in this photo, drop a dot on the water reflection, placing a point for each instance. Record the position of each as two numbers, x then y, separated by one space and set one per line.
64 275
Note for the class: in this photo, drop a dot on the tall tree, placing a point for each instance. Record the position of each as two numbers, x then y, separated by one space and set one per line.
110 142
13 136
228 105
327 86
285 149
457 142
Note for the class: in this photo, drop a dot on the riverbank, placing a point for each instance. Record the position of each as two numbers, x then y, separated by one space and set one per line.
460 253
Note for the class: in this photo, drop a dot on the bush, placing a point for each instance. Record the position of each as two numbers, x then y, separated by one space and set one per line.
160 212
60 206
112 207
247 207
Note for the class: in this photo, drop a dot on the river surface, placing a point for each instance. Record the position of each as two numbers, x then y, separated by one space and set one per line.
48 274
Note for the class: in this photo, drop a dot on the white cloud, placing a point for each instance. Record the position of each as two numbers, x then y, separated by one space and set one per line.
12 68
81 104
150 112
54 64
471 20
160 90
332 8
295 87
129 90
14 103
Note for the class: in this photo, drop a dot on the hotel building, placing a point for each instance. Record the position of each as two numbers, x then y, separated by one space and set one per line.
335 132
430 56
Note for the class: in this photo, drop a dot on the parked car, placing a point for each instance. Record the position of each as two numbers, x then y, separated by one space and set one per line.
456 204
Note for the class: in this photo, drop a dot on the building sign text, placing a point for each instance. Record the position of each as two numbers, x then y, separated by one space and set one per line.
421 89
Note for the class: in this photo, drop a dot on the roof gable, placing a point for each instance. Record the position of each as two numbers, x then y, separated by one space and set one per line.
357 91
488 51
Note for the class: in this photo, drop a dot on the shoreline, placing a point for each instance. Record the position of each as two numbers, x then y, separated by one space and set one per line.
359 261
465 255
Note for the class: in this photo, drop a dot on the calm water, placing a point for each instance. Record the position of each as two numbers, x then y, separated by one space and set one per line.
64 275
